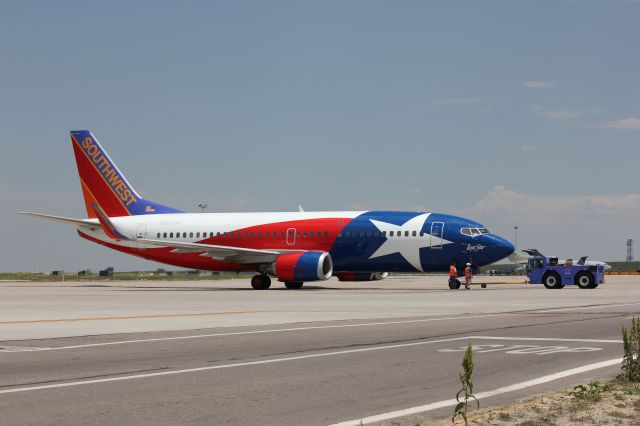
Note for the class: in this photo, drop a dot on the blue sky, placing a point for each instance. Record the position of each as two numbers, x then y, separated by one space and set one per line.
510 113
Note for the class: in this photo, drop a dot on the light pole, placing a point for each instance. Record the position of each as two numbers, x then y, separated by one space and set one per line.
202 206
515 242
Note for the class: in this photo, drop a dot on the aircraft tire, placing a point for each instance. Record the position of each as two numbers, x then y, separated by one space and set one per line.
260 282
552 280
293 285
585 279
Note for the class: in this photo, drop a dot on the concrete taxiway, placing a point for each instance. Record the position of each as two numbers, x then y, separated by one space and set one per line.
217 352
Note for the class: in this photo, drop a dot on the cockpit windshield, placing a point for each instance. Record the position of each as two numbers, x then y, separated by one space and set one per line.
474 232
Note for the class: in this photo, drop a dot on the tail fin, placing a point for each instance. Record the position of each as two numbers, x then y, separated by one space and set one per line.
103 184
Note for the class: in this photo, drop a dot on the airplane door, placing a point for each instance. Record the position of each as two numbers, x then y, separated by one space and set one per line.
141 232
291 236
437 231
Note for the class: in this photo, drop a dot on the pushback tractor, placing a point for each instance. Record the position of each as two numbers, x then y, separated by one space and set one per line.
549 272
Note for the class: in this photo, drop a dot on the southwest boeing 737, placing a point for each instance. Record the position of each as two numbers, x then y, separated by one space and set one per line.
293 247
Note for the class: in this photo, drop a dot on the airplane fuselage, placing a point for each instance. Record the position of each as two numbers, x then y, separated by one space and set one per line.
367 241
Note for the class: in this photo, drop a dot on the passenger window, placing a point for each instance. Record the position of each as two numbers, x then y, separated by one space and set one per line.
190 234
184 235
384 234
259 234
376 234
421 233
297 235
164 235
171 235
304 234
414 233
391 233
347 234
282 234
368 233
218 234
198 235
311 234
406 233
326 234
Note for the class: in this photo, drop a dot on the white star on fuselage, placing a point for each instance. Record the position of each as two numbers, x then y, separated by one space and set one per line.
409 247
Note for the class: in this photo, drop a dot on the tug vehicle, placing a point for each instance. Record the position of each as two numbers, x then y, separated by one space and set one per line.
553 274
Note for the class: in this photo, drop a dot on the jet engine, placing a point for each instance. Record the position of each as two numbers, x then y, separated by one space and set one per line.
361 276
303 266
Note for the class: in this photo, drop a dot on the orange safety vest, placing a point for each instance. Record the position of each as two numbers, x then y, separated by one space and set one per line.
467 272
453 272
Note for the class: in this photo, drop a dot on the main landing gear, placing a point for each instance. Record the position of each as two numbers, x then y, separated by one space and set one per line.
263 282
260 282
294 285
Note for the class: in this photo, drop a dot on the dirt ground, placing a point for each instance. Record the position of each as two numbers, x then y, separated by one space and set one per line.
614 403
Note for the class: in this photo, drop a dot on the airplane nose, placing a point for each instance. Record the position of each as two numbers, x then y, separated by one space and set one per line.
503 248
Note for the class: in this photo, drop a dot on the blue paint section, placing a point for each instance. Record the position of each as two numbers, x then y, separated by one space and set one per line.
306 268
360 239
135 204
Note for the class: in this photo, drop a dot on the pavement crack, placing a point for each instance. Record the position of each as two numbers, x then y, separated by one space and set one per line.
80 378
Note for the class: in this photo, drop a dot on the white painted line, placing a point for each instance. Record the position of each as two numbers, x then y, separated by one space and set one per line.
506 389
219 367
584 308
277 330
550 339
20 349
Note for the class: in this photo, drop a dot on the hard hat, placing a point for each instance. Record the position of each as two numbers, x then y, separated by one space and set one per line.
468 264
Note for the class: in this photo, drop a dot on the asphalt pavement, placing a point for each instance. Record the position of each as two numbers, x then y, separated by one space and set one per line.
382 354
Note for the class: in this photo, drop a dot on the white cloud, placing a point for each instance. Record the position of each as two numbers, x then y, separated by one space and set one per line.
524 148
556 209
456 101
564 114
539 84
625 123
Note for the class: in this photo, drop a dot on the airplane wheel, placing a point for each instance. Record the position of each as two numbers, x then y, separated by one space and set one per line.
483 285
294 285
260 282
585 280
452 285
552 280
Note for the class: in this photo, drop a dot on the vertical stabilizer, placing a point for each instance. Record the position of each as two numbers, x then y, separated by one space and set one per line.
103 184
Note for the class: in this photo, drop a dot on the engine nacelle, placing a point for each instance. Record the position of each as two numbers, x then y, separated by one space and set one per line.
303 266
361 276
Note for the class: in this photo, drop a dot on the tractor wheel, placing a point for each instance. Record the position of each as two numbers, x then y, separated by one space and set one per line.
552 280
585 279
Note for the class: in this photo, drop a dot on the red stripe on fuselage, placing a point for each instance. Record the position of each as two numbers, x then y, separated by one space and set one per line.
333 226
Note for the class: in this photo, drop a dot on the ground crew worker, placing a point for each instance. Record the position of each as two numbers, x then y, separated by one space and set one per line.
453 273
468 276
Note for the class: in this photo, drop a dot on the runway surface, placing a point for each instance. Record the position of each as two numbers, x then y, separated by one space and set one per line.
216 353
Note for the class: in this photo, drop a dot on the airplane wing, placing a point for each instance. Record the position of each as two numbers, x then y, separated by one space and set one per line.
226 253
67 220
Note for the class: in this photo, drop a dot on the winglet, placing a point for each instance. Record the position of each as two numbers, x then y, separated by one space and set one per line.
107 226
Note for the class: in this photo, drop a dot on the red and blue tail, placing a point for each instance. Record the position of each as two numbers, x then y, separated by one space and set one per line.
103 184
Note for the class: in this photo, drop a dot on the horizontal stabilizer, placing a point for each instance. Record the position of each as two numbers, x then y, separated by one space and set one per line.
61 219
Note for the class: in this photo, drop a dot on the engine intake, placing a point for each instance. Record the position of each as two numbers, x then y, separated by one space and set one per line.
304 266
361 276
